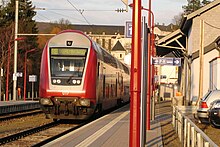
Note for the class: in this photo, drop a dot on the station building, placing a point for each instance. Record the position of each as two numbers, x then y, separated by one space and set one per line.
193 42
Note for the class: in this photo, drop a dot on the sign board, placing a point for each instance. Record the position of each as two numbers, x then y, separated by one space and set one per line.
19 74
128 29
166 61
32 78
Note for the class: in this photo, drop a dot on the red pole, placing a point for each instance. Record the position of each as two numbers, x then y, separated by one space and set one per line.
135 75
149 70
152 72
8 68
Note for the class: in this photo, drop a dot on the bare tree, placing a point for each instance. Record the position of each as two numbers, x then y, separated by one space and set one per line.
63 24
177 19
5 45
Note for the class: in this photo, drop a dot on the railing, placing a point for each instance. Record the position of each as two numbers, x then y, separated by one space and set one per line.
189 134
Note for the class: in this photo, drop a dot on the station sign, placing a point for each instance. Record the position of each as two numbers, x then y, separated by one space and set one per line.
32 78
166 61
128 29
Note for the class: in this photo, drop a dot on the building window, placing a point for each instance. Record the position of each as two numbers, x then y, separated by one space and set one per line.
120 56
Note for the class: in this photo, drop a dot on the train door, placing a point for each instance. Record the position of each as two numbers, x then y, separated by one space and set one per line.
104 82
98 82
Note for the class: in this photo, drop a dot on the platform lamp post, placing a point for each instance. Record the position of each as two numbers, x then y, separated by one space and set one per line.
15 50
25 70
8 64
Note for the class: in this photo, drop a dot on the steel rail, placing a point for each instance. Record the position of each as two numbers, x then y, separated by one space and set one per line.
22 134
21 114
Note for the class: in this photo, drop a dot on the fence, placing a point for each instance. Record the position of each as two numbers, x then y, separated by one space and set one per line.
189 134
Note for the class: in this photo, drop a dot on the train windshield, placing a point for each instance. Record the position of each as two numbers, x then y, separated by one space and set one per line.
67 62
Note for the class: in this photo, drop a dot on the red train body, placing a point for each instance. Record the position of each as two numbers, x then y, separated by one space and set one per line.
79 78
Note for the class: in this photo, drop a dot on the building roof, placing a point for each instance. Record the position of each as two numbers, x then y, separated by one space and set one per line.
94 29
118 47
169 28
187 21
174 43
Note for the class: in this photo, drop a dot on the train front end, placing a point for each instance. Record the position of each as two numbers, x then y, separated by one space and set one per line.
68 77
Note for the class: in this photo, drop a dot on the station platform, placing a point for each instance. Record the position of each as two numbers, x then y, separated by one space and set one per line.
17 106
111 130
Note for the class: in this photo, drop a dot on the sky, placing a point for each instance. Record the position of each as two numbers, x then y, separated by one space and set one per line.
102 12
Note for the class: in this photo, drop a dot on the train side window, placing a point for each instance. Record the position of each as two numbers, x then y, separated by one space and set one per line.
116 87
104 88
125 69
109 59
98 68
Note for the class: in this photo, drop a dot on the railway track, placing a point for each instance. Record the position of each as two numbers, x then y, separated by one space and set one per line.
39 130
39 136
25 133
19 115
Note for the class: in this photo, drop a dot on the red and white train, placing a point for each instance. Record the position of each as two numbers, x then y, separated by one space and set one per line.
79 78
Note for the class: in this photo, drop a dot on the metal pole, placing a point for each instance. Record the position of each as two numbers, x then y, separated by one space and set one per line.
32 91
143 82
150 68
25 76
8 68
201 60
25 70
150 51
0 87
153 68
15 51
135 86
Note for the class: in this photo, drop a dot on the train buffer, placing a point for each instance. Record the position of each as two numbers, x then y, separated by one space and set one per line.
108 131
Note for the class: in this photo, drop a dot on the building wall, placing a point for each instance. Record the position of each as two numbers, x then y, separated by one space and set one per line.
210 32
119 55
171 73
212 20
206 75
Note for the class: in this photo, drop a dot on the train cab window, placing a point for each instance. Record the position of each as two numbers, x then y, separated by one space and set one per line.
65 62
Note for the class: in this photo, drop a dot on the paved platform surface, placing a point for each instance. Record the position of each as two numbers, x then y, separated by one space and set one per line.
112 130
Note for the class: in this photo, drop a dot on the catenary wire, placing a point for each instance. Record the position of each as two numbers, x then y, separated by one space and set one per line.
79 12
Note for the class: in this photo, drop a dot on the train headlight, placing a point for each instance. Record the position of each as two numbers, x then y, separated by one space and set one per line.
46 101
78 81
58 81
84 102
54 81
74 81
